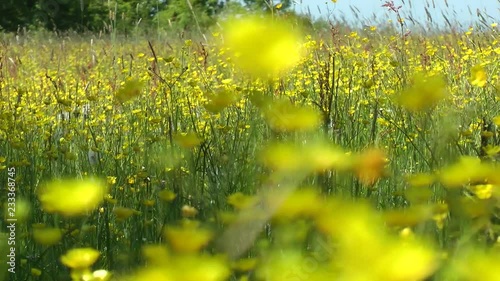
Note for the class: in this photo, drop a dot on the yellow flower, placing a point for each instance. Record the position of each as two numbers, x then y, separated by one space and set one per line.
36 272
496 120
188 140
80 258
473 264
123 213
188 211
262 46
155 254
478 76
282 115
244 265
101 275
425 93
469 170
72 197
301 203
155 273
111 180
219 100
421 179
189 238
166 195
282 157
483 191
241 201
199 267
370 166
130 89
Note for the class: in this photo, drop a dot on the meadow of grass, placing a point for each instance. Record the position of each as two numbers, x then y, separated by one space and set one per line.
366 155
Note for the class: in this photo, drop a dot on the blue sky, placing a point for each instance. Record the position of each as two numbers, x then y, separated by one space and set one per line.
457 9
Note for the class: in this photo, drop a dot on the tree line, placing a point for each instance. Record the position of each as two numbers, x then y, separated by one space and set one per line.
123 15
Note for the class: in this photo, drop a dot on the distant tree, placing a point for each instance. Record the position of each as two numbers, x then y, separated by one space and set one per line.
187 14
127 14
108 15
15 13
78 14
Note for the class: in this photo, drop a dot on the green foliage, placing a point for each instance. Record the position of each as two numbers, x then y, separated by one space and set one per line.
267 4
15 13
123 16
187 15
99 15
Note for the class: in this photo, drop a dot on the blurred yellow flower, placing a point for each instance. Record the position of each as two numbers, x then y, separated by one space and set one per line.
36 272
321 155
155 254
469 170
80 258
370 165
199 267
72 197
153 273
421 179
130 89
360 239
244 265
496 120
483 191
241 201
219 100
262 46
425 92
188 211
470 265
478 76
101 275
166 195
189 238
187 140
302 203
405 260
123 213
286 265
282 115
285 157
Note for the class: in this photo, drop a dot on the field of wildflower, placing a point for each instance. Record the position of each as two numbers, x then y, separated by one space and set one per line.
257 153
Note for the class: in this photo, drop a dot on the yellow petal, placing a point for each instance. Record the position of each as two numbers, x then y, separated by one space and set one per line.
281 115
80 258
187 239
425 92
166 195
123 213
72 197
262 47
478 76
130 89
